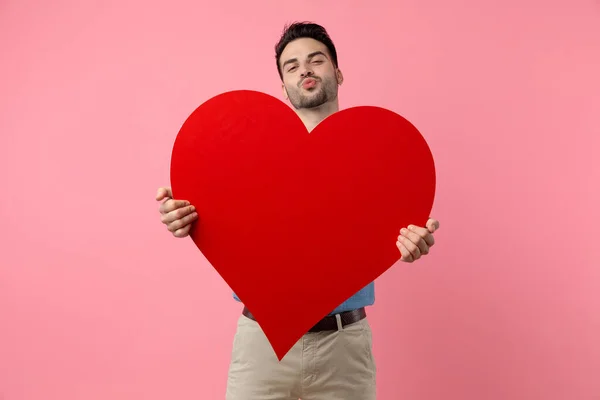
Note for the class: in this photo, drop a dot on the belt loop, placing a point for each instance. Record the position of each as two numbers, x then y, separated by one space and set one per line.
338 319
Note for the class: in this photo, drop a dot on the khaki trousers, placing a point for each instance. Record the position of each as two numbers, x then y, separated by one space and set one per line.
333 365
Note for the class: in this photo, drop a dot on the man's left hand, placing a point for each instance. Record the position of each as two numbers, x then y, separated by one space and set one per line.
415 241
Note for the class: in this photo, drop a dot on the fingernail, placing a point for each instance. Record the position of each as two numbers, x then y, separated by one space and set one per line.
411 227
403 230
193 208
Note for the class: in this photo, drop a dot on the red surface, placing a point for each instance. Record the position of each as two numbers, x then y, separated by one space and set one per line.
294 222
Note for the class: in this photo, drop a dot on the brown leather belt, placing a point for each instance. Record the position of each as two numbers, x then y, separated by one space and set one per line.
329 323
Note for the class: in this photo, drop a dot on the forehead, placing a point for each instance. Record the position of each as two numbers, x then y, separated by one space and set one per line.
301 48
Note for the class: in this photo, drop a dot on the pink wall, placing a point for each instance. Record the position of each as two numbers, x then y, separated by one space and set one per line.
98 301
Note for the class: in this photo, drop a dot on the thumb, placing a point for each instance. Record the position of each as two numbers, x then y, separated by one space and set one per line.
433 225
164 192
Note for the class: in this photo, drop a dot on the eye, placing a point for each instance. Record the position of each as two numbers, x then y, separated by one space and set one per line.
318 62
291 69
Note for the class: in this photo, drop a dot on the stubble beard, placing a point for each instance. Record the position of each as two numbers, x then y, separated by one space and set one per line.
327 92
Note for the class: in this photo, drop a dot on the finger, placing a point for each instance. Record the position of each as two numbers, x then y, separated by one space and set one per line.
163 192
416 239
410 246
183 232
182 222
171 205
433 225
406 256
424 234
178 216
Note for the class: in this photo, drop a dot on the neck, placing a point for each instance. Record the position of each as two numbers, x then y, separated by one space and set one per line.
311 117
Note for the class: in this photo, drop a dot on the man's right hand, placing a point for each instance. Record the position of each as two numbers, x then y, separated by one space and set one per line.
177 215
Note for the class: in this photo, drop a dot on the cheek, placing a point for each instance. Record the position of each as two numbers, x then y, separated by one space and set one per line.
325 72
287 89
289 83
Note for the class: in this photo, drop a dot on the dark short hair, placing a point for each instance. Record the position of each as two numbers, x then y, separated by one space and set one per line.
299 30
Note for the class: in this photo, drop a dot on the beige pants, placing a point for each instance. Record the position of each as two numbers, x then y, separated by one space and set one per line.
334 365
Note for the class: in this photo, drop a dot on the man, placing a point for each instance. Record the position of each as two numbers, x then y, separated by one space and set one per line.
334 360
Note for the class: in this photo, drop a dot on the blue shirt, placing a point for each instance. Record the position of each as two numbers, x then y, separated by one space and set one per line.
363 298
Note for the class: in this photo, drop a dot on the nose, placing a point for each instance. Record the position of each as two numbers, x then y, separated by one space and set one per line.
306 72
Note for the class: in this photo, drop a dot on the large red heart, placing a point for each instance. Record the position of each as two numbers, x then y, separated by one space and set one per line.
296 223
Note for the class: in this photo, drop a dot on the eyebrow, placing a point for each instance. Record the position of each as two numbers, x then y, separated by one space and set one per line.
311 55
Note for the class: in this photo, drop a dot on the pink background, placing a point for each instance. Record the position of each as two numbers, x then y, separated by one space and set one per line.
98 301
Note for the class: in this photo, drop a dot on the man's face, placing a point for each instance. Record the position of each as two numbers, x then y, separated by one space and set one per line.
310 78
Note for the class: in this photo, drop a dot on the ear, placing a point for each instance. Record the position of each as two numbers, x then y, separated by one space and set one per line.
340 76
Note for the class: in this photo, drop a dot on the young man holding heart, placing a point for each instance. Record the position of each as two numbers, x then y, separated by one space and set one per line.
334 360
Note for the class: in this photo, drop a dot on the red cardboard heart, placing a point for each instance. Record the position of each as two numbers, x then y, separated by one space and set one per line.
296 223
